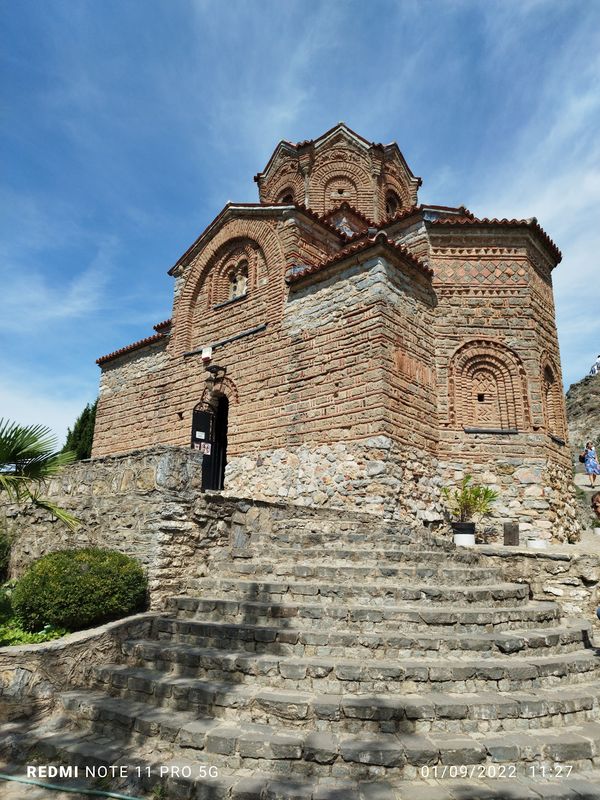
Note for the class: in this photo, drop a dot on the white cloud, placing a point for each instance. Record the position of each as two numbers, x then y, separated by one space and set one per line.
31 300
553 173
50 402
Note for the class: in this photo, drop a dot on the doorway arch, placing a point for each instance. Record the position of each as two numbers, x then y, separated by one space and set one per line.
209 436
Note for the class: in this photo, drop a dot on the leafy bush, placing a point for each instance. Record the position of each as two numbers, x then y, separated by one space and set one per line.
11 631
469 500
76 589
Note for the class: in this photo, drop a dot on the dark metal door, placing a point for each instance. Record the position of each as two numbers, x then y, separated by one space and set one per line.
209 436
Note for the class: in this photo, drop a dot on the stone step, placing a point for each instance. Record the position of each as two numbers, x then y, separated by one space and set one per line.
374 594
404 754
365 618
337 569
300 641
389 712
491 779
389 553
331 675
365 532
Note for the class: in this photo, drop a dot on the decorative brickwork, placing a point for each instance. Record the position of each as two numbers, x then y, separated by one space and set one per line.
487 388
553 400
338 312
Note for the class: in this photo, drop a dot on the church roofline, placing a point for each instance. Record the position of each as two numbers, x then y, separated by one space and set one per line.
233 210
531 223
345 206
296 148
131 347
379 241
414 211
161 326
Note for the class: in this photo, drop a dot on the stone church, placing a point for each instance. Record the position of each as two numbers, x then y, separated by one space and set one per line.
338 343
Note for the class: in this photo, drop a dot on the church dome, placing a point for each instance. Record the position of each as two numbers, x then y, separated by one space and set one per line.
340 167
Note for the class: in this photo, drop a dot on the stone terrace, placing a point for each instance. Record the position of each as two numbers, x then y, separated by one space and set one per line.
350 661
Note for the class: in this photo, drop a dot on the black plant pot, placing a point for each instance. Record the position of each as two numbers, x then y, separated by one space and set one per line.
464 533
463 527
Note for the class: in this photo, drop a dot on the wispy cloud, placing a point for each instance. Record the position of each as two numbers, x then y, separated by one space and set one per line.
130 125
31 301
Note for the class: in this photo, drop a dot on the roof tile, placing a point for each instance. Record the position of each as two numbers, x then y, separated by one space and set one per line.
130 347
506 223
358 247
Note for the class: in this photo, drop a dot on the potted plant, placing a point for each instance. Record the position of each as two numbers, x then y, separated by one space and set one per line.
465 503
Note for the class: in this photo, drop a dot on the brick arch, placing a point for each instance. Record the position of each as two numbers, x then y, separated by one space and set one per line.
331 196
349 169
227 258
552 397
487 387
224 386
270 260
293 182
392 184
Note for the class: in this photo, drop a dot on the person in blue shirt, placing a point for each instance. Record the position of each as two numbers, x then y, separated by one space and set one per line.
590 462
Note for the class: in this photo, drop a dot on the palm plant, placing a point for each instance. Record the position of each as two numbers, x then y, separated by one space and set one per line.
469 500
28 458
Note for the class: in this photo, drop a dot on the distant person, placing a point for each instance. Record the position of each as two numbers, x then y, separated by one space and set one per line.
590 461
595 367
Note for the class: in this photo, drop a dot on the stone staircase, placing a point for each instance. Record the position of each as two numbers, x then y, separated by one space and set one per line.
350 662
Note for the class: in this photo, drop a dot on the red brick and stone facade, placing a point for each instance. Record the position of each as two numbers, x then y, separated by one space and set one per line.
371 349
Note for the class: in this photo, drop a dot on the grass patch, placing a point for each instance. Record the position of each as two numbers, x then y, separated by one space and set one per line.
12 633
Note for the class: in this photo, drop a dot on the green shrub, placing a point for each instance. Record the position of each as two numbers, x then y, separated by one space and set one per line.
76 589
11 634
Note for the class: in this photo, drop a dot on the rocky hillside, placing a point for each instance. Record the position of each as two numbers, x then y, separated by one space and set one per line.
583 412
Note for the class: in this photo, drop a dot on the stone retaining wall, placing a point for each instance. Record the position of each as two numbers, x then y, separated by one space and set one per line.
570 579
148 504
538 494
31 675
138 503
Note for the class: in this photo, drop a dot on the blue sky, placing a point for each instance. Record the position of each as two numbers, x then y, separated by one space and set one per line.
127 125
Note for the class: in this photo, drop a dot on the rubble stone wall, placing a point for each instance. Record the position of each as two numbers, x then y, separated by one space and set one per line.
149 505
376 476
31 675
570 579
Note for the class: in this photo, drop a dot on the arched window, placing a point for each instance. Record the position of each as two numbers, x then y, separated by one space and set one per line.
238 280
286 197
487 388
393 204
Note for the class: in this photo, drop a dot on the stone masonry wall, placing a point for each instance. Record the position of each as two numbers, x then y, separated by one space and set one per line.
537 493
375 475
131 404
31 675
358 344
570 579
138 503
148 504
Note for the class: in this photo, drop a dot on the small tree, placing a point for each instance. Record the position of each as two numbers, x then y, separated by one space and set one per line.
80 439
28 458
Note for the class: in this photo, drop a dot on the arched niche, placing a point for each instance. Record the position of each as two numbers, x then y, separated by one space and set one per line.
487 388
